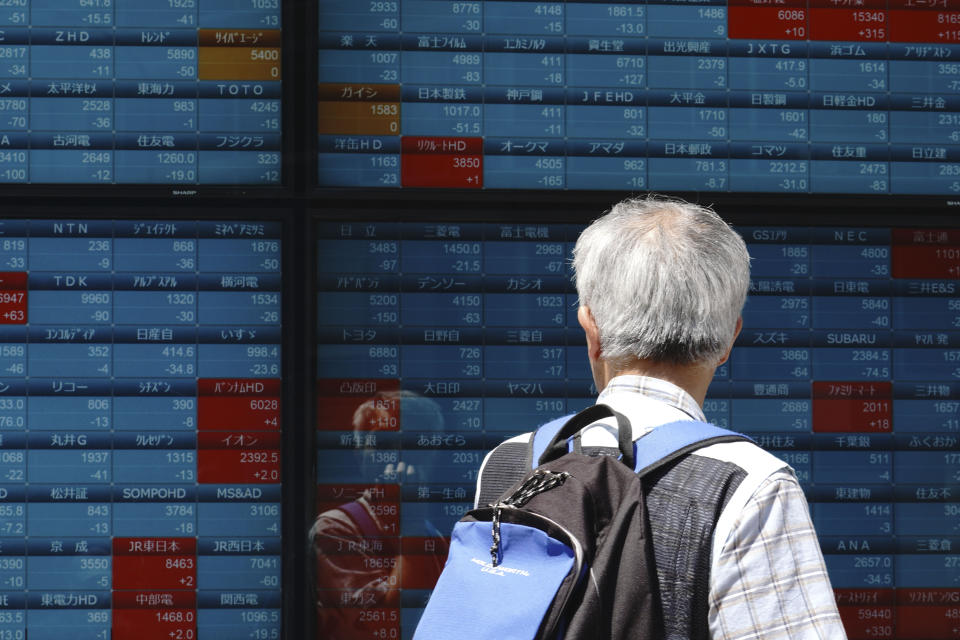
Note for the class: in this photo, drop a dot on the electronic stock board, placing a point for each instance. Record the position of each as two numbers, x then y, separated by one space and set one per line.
158 514
140 382
140 429
776 96
180 92
436 341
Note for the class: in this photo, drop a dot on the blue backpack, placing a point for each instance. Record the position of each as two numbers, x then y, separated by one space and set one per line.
565 551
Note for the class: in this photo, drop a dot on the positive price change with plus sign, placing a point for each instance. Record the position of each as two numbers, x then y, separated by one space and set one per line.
139 430
777 96
437 341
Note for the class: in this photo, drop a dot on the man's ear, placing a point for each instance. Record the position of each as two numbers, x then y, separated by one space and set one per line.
736 332
585 318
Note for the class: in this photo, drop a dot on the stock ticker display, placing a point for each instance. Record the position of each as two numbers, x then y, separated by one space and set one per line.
673 95
438 341
177 92
139 430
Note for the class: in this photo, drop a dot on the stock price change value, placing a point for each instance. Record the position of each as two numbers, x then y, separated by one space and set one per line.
438 341
668 95
139 430
181 92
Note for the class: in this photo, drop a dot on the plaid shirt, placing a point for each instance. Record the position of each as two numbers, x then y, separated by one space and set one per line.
768 580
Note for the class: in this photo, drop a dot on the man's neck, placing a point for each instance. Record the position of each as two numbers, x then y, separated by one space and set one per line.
693 378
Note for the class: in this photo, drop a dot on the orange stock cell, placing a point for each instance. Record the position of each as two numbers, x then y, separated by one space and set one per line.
238 63
359 118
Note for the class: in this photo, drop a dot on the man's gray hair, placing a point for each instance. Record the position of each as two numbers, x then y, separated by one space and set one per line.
665 280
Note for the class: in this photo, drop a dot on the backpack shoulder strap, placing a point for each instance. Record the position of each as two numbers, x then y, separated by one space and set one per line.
671 441
659 447
510 461
542 438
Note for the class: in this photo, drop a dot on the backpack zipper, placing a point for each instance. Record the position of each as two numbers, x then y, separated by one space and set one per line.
578 569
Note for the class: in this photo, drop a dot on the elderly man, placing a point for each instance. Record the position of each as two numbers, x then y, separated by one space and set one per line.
662 284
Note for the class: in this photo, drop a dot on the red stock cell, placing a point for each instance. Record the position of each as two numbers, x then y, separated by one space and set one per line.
238 412
864 597
355 551
925 261
154 599
358 405
439 145
13 280
420 571
343 404
238 467
850 5
928 613
240 440
849 25
924 25
155 572
942 237
866 612
423 560
154 546
858 415
357 622
928 597
238 403
154 624
924 5
927 622
767 23
13 307
238 387
382 500
849 389
460 171
864 407
868 623
330 496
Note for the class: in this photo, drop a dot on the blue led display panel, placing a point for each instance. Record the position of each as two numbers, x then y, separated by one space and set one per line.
184 92
437 341
796 96
139 429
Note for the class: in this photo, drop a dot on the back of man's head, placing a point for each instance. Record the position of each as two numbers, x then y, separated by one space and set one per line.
665 280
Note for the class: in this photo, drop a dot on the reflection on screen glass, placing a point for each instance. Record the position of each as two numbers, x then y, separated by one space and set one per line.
436 341
139 429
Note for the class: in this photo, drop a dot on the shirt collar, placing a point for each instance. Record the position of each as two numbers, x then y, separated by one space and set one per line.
655 389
